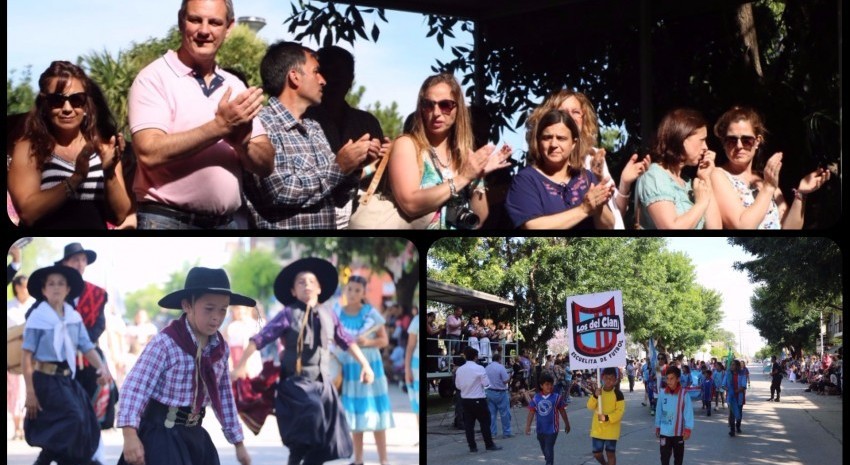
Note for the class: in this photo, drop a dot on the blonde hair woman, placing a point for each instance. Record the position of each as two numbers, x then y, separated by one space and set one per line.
448 181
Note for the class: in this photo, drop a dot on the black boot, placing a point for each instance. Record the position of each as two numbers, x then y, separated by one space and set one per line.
738 426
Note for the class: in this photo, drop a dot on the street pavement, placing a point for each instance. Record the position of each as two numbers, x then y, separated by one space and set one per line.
802 429
265 448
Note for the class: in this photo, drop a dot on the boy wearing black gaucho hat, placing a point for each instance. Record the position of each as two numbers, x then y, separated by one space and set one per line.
183 369
59 416
307 407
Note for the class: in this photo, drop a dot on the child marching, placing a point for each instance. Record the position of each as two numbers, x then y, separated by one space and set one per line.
674 418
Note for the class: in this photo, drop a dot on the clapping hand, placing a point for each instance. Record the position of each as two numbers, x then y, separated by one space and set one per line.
597 195
813 181
242 109
498 160
771 170
634 169
597 163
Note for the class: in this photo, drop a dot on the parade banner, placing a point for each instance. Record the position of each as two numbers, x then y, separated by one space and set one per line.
596 331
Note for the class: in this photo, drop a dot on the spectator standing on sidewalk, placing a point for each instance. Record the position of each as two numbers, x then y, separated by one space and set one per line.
630 372
776 378
471 379
497 396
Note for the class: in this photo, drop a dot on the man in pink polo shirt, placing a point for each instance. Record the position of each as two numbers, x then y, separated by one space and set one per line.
194 128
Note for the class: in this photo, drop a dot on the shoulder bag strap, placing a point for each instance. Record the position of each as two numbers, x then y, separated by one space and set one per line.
376 178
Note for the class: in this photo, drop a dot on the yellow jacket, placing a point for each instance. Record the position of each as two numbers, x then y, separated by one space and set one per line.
613 405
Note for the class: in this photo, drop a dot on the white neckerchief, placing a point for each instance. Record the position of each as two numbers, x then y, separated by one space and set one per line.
45 317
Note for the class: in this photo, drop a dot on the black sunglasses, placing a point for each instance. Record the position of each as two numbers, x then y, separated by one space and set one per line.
77 100
445 106
746 141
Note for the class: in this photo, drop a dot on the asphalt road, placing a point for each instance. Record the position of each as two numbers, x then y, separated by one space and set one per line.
802 429
265 448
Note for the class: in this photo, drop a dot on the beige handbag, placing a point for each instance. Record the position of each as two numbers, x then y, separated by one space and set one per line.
14 350
378 210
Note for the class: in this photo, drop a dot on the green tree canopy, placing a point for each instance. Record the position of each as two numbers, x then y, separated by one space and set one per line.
780 56
660 295
396 256
805 269
19 93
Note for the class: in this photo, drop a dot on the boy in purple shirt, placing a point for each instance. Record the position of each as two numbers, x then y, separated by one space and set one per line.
546 405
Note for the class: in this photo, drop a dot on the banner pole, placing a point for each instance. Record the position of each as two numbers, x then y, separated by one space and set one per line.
599 400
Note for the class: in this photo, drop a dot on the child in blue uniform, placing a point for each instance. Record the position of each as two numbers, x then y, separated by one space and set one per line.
674 418
707 391
546 405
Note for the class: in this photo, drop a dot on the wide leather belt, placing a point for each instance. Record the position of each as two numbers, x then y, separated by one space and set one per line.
53 369
201 220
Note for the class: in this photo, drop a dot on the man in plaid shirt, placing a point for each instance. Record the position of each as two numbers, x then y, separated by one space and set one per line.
299 192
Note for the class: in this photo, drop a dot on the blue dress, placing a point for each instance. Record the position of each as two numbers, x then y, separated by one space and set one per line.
366 406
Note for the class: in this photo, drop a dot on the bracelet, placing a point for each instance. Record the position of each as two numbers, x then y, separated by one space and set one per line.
623 195
798 195
452 188
69 191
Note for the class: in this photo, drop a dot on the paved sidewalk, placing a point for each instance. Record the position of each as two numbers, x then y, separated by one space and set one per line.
802 429
265 448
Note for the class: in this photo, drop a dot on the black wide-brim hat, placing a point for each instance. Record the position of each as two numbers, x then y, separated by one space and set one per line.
325 272
74 248
36 281
202 280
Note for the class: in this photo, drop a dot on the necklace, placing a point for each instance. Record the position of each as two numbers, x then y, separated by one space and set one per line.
445 169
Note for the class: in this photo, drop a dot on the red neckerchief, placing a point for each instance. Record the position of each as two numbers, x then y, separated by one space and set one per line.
673 391
178 332
90 306
91 303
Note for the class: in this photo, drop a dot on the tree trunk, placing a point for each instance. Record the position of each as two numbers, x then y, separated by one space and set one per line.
747 29
405 286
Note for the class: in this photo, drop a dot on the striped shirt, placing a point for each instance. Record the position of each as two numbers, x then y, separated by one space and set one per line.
164 373
56 170
299 192
673 413
88 209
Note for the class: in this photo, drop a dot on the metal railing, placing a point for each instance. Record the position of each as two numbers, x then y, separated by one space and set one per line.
445 363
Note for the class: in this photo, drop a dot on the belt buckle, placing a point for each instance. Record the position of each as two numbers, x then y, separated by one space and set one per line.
49 368
193 419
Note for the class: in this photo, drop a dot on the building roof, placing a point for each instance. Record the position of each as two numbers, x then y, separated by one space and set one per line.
468 299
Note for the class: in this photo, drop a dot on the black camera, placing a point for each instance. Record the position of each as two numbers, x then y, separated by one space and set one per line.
461 217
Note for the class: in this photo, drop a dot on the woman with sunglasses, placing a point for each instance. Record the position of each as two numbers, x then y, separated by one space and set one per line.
747 198
668 197
66 169
433 172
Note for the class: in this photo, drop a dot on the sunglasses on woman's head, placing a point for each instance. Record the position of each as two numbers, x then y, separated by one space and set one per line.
445 106
746 141
57 100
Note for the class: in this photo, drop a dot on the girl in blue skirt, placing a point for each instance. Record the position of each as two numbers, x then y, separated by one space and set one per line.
59 417
367 406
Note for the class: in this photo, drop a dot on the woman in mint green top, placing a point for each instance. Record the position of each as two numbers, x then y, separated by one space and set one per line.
433 171
666 198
